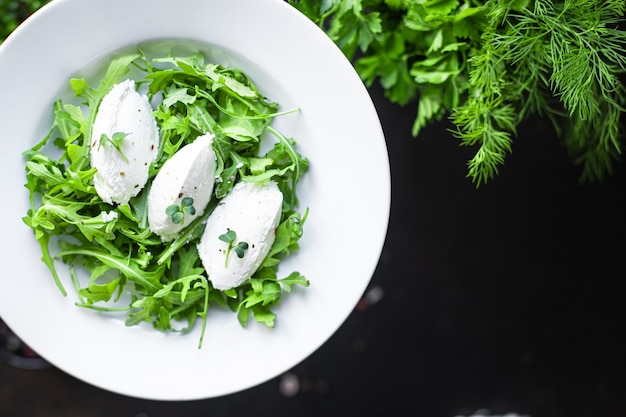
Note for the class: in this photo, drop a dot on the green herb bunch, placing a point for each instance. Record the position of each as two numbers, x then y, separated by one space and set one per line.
166 281
489 65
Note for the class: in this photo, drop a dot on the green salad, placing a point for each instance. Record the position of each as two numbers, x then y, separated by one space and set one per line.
130 269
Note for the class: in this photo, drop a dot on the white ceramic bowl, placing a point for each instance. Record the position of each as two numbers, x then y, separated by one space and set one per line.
347 191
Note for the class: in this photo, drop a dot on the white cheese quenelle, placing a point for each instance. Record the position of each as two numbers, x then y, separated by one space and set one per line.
123 162
189 173
253 212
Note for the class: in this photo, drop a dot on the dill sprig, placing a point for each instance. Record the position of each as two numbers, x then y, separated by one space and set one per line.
562 60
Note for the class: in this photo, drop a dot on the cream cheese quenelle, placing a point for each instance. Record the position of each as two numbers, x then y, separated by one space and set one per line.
124 142
188 174
252 211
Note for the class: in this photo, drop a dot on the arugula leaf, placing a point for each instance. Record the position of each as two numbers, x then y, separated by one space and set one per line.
288 233
102 292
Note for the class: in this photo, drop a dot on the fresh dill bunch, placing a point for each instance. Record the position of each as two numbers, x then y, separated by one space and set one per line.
490 64
558 59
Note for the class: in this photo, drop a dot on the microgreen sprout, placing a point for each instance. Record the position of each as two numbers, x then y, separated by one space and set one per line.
177 213
230 237
115 141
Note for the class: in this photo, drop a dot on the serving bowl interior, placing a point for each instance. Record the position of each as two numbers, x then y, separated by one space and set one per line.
347 189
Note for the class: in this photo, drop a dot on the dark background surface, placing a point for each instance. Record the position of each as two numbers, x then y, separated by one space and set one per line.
508 298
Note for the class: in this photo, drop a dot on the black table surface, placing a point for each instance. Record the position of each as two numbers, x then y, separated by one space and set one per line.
508 298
